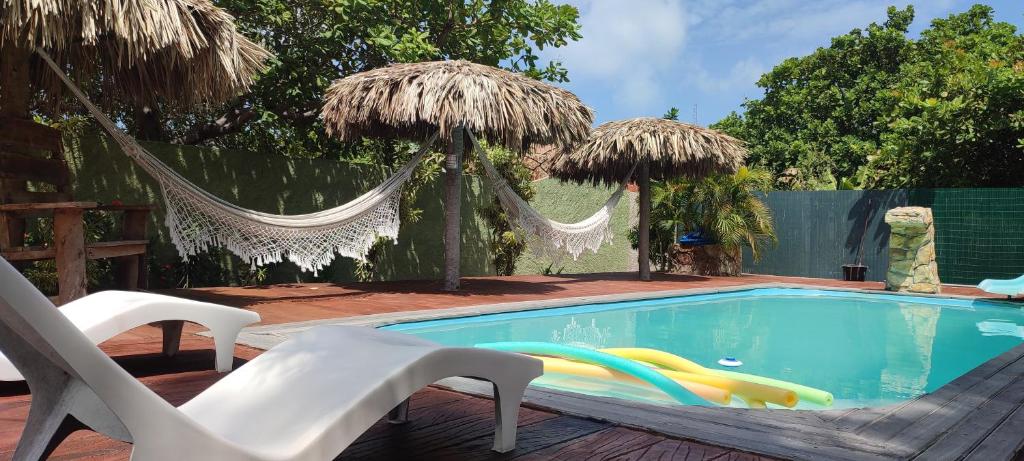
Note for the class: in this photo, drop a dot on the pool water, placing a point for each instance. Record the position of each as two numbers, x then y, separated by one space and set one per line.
867 349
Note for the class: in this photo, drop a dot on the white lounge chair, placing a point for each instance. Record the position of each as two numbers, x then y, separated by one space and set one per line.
106 314
306 399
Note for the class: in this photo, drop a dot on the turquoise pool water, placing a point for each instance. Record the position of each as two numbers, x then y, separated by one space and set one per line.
867 349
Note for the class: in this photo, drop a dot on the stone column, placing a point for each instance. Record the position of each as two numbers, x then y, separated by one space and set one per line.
912 265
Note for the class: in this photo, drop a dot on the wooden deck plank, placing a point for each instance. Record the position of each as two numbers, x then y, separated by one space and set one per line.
437 428
911 430
531 438
751 438
1005 442
982 420
612 442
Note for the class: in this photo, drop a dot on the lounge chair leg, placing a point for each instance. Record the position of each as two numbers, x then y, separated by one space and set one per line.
399 414
48 424
506 415
224 343
172 336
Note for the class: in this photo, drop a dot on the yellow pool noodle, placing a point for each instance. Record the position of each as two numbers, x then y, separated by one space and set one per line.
674 362
754 403
569 367
748 391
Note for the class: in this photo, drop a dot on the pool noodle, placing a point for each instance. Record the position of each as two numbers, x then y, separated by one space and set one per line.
674 362
568 367
667 385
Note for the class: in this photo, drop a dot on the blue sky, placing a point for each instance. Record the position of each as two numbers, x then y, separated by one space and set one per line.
640 57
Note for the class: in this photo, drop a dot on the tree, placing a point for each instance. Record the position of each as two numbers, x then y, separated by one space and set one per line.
507 243
878 109
724 207
958 110
317 41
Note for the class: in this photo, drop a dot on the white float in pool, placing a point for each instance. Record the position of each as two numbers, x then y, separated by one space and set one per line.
729 362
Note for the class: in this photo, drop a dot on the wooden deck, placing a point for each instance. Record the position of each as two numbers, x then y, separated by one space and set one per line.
979 415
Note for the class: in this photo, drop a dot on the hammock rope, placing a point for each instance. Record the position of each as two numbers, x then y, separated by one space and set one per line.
198 220
549 238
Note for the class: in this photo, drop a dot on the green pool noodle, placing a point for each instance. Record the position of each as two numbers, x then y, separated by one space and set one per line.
666 385
807 394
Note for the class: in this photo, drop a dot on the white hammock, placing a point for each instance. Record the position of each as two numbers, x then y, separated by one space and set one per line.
550 238
198 220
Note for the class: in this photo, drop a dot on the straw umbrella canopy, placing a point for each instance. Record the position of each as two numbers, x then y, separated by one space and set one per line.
659 149
455 98
178 51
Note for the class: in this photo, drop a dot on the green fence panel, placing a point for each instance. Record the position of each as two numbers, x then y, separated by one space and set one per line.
979 233
819 231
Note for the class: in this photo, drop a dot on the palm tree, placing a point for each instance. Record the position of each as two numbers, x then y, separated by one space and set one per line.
730 212
724 207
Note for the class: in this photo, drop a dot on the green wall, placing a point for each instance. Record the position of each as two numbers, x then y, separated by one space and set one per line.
571 203
276 184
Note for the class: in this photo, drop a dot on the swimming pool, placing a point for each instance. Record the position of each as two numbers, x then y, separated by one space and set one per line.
867 349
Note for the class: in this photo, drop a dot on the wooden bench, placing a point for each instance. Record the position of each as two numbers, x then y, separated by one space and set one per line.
35 183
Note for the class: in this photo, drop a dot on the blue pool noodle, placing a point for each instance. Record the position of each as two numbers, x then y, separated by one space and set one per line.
629 367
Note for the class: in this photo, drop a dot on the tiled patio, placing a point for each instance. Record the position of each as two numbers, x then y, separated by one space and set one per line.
444 425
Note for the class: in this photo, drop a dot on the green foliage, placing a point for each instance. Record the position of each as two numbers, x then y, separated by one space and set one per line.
427 172
507 244
318 41
99 226
724 207
878 109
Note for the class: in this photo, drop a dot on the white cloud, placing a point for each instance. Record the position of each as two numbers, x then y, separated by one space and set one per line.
625 46
742 74
638 57
793 22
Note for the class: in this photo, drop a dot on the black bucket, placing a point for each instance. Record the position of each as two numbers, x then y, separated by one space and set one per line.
854 272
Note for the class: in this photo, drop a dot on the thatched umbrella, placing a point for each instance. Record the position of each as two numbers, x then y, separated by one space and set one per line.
184 51
414 101
660 149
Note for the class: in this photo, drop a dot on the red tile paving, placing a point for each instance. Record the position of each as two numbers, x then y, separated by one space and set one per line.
178 379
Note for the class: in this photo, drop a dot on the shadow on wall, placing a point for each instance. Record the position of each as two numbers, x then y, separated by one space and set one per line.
866 221
276 184
819 231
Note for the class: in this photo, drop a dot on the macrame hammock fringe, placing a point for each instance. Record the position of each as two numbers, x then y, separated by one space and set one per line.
198 220
548 238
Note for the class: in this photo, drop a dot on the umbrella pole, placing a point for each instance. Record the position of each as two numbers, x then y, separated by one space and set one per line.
644 226
453 209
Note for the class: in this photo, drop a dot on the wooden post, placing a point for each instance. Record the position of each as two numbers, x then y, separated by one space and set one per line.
69 241
453 209
14 81
14 101
132 269
644 226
